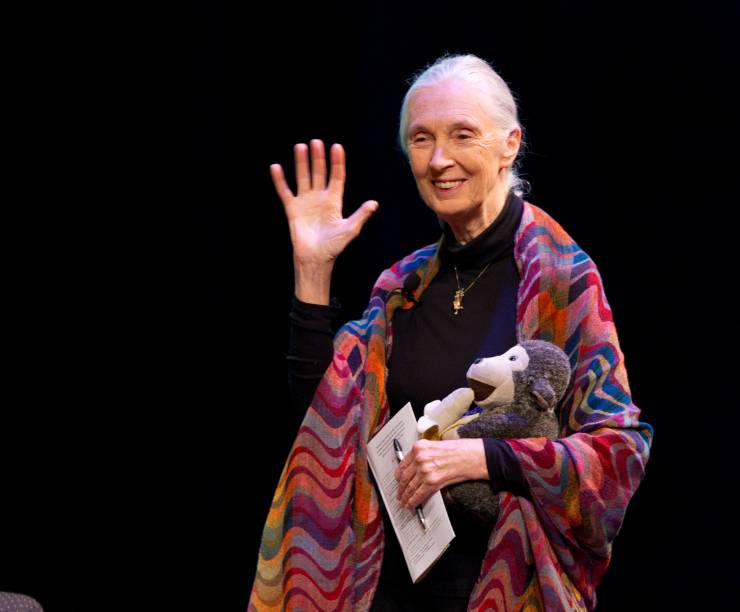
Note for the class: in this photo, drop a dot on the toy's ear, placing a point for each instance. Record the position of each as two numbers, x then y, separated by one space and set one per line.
544 394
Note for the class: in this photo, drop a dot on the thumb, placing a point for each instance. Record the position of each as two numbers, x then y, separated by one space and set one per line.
362 214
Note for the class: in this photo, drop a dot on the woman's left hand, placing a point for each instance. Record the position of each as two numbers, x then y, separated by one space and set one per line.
432 465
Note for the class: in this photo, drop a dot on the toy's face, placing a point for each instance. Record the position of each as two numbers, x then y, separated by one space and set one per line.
492 378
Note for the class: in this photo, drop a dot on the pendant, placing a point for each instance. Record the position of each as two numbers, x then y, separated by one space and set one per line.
457 300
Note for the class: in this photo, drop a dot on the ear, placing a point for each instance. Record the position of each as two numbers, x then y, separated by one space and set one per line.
511 146
544 395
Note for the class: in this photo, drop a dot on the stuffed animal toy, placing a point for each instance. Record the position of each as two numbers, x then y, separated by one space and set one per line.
517 394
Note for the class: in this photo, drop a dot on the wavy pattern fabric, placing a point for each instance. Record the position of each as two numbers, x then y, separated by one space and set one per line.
323 540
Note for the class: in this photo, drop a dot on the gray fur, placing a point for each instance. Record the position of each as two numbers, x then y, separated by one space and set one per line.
538 389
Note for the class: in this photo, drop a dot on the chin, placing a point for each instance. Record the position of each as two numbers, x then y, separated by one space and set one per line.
448 210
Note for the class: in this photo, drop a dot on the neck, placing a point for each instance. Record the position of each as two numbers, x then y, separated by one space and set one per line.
468 227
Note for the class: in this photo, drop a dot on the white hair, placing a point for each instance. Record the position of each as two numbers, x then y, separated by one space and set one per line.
493 93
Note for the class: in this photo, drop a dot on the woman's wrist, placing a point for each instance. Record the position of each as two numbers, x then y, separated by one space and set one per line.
476 467
313 282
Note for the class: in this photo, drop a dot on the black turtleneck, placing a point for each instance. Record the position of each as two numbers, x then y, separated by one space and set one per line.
432 347
432 351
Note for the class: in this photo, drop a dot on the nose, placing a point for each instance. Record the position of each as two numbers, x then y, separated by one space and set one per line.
440 160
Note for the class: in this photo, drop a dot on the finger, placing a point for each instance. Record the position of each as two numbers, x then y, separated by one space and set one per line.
281 185
358 218
401 490
405 471
318 164
419 496
412 492
338 174
301 168
403 477
406 488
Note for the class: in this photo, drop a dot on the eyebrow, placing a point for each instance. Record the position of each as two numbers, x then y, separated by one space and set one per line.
458 124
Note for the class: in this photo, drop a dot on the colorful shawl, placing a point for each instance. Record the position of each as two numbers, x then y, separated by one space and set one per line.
323 541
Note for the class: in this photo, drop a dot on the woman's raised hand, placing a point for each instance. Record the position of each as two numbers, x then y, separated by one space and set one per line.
318 231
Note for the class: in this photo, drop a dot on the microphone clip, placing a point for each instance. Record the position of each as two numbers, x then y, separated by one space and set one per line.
410 283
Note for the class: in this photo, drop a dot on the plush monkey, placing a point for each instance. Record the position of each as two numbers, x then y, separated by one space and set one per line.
518 393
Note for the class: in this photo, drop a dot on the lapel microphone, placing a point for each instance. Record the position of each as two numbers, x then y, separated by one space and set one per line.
410 283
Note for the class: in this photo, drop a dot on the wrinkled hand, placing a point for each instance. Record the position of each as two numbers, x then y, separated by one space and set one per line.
432 465
318 231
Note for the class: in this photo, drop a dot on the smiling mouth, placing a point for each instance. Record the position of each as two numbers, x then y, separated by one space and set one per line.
447 186
480 390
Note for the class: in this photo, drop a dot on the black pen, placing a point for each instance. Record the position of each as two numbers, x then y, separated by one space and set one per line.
419 510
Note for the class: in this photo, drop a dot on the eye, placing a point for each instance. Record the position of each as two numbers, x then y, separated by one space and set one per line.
512 358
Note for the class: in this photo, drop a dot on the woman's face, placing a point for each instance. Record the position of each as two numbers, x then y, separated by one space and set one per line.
458 157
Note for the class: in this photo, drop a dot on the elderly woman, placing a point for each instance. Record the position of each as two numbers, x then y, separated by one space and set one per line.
502 272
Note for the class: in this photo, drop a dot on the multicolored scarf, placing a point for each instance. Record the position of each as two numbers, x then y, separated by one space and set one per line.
323 542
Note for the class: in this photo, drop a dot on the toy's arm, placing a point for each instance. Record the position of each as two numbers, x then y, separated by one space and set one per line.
440 414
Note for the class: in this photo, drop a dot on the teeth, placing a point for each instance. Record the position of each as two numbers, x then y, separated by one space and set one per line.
448 185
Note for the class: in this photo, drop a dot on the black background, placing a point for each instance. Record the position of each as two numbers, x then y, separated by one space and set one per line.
154 457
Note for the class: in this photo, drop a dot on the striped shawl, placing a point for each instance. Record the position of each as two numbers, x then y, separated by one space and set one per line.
323 541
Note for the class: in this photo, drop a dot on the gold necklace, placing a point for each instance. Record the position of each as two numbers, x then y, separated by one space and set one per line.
460 293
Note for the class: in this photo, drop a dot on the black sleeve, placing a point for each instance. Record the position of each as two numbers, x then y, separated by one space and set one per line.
310 349
504 470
